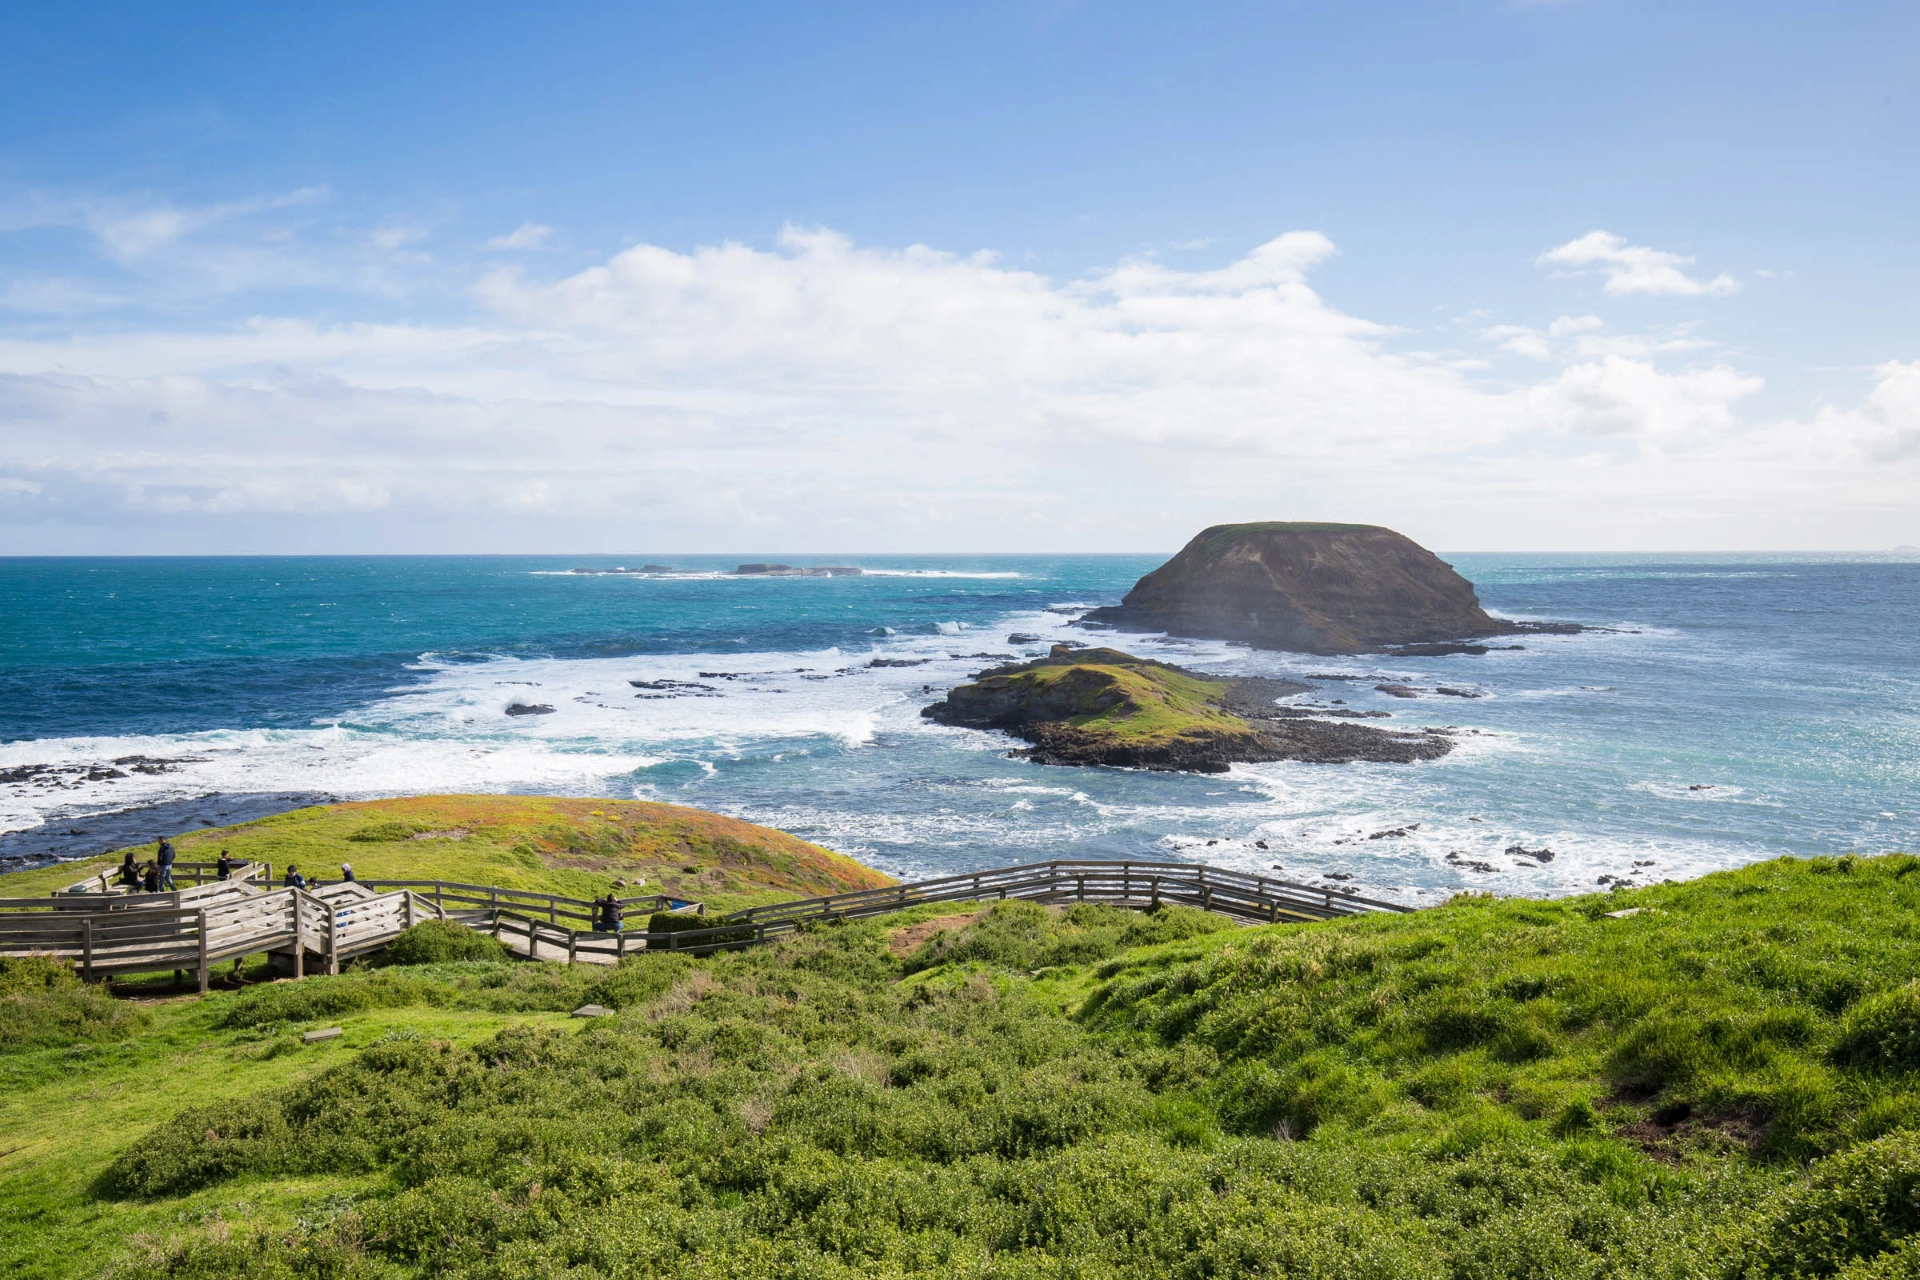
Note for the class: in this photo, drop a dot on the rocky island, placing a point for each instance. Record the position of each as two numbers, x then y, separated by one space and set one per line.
1313 588
1106 707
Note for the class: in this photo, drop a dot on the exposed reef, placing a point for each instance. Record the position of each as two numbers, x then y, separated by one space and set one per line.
793 571
1313 588
1106 707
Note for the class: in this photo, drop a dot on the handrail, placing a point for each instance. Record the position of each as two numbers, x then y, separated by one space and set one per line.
198 873
191 928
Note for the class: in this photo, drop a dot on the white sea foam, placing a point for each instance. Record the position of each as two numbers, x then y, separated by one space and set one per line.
727 575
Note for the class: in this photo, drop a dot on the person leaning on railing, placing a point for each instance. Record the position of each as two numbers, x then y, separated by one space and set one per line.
224 867
608 916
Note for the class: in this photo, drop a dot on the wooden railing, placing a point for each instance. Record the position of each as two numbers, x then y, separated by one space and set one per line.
1242 895
191 929
553 907
193 873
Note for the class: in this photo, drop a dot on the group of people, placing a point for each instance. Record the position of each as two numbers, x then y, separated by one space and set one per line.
155 876
294 879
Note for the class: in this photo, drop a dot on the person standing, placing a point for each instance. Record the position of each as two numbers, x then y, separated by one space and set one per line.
346 873
224 867
165 860
294 879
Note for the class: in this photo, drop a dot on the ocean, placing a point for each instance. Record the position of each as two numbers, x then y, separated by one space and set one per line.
1734 708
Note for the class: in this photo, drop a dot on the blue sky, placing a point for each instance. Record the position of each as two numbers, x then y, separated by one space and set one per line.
349 277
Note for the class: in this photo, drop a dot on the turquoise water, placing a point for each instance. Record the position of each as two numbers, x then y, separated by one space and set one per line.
1743 706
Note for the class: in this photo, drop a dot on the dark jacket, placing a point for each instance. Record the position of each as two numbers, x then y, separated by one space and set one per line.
225 866
610 916
152 884
130 873
165 856
295 880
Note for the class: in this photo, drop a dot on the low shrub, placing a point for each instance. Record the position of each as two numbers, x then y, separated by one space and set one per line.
43 1004
1026 935
443 942
329 997
1852 1207
1883 1033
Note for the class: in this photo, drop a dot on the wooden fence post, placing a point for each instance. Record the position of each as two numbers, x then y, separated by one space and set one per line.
333 940
201 919
573 945
86 948
299 936
406 908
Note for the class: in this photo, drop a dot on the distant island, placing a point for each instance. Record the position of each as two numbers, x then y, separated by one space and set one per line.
745 570
1313 588
1106 707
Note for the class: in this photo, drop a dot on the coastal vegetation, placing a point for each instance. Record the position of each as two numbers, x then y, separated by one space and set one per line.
1708 1079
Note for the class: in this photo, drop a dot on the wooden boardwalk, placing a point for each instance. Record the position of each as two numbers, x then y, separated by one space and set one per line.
104 931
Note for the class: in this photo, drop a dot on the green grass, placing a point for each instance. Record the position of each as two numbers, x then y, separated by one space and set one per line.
1720 1086
1154 704
579 848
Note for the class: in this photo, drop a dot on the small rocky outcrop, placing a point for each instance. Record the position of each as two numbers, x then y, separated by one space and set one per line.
1308 588
794 571
1107 707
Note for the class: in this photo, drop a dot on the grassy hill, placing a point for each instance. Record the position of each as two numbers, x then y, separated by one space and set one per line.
1721 1084
574 847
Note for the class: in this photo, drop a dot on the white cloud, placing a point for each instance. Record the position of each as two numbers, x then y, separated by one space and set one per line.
1520 340
1886 428
1632 268
392 236
55 296
131 229
528 235
823 394
1565 325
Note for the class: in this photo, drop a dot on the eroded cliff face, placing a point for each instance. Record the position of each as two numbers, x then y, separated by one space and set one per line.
1310 588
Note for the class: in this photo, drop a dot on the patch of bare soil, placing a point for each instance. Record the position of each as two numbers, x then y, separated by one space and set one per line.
906 939
1669 1133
